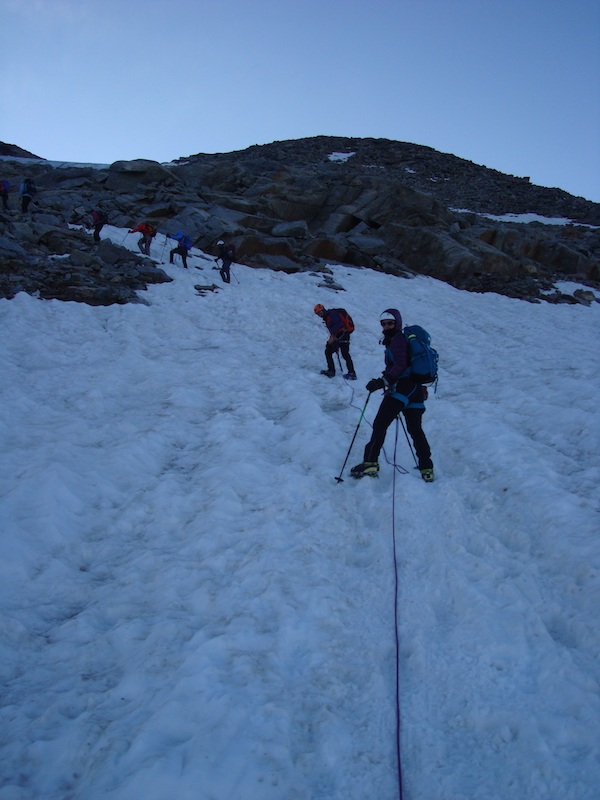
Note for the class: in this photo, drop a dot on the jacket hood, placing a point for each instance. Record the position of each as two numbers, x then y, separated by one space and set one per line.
397 316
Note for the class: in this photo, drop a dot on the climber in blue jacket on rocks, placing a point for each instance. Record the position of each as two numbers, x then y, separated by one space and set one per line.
184 245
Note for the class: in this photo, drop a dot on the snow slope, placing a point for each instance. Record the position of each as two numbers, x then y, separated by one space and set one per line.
193 608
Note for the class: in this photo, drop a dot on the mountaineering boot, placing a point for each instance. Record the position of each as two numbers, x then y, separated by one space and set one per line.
329 373
370 468
427 475
350 376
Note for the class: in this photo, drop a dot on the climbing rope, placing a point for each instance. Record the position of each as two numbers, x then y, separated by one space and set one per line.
396 624
397 468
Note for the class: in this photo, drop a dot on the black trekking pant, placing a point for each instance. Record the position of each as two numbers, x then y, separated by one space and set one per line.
179 251
343 345
389 409
97 228
225 271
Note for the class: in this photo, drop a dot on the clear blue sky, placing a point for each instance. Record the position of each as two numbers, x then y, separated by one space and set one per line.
513 85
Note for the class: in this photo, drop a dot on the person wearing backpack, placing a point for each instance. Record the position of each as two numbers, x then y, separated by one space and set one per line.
99 220
4 189
148 232
27 191
184 245
402 394
340 325
226 255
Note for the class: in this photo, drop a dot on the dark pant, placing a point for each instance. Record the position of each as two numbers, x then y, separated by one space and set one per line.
144 244
343 345
4 196
388 411
97 228
179 251
25 200
225 271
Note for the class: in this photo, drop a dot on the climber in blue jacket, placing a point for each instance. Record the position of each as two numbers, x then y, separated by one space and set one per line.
184 245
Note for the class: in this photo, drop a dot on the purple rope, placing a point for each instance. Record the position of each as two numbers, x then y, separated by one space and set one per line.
396 623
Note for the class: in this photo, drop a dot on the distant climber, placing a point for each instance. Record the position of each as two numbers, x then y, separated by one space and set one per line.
99 220
226 255
4 190
340 325
148 232
27 191
184 245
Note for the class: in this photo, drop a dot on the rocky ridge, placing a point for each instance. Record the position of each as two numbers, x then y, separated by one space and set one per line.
299 205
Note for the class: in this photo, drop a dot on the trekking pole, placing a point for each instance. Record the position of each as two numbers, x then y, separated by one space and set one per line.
231 273
407 439
126 235
339 479
163 250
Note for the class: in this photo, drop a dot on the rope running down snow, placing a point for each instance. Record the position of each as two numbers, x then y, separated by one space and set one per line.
396 624
397 469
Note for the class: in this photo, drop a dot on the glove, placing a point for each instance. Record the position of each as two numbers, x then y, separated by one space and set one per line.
374 384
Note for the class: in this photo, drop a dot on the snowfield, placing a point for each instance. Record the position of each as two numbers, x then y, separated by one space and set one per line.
194 609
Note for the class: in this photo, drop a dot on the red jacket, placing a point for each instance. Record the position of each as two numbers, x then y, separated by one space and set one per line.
147 230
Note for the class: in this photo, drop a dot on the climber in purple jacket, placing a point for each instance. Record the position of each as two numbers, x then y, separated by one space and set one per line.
402 395
340 325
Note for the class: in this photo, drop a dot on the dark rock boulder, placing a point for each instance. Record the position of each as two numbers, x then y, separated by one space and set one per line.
126 175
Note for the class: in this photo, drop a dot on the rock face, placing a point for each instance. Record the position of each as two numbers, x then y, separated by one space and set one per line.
297 205
56 262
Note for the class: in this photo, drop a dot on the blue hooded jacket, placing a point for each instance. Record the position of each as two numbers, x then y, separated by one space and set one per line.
184 241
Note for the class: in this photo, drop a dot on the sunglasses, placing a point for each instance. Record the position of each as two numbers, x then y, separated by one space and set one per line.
388 323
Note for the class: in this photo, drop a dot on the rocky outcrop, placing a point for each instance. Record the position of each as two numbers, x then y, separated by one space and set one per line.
127 176
297 205
55 262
